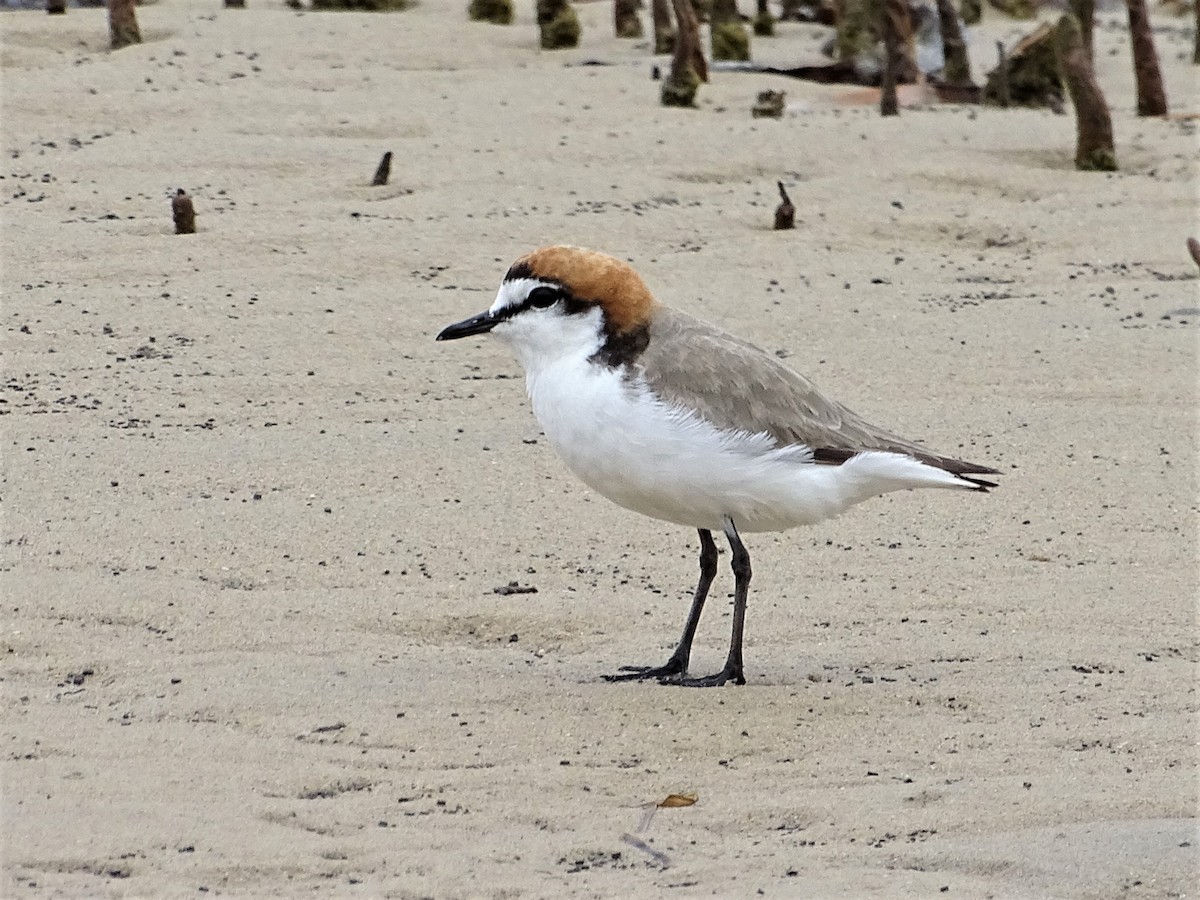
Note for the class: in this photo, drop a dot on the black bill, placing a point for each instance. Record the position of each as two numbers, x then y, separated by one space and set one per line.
480 324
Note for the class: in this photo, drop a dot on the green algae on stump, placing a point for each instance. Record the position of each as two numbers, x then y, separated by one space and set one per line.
730 42
558 24
729 38
122 24
679 89
764 22
688 67
626 21
498 12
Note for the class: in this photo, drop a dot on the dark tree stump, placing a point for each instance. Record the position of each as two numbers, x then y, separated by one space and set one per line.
893 14
122 24
626 21
184 213
558 24
764 22
1196 47
664 34
56 7
688 68
853 29
1093 124
1003 88
1085 12
728 36
383 171
956 71
235 4
1151 98
498 12
785 212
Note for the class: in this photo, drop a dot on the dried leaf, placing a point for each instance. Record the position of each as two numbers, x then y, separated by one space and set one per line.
677 800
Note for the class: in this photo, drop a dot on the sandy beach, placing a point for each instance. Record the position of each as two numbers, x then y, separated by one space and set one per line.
254 516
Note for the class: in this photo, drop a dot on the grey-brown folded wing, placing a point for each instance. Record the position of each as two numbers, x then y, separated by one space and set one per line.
763 395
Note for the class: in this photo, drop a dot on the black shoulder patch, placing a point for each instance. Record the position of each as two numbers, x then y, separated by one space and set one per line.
622 348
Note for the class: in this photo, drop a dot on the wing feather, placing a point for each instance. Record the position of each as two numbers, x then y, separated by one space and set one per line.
687 362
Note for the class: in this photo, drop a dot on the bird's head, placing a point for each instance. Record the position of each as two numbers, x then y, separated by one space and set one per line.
563 301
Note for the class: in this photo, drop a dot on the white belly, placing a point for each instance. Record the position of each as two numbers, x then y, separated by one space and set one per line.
672 465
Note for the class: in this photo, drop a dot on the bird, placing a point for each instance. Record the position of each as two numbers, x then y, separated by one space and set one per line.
676 419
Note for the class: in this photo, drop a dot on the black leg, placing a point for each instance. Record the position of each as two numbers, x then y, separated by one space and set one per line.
677 664
741 575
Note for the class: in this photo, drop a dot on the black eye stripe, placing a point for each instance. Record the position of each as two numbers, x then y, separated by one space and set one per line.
544 294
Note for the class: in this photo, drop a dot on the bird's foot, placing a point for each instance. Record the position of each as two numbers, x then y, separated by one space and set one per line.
674 667
725 676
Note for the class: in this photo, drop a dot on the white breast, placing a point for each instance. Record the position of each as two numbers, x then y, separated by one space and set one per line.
669 464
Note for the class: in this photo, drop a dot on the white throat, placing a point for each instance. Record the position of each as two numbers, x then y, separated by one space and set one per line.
543 339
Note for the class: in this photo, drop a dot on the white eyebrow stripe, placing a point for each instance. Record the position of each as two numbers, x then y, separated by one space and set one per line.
513 293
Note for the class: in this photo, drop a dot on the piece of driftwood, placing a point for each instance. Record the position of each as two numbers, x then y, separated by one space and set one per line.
122 24
1151 98
1093 124
827 73
235 4
785 212
1028 73
626 21
664 32
497 12
383 171
769 105
183 212
956 69
688 68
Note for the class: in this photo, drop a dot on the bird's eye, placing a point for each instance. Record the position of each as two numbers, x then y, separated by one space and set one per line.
542 297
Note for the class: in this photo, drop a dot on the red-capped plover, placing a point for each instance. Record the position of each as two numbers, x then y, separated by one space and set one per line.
676 419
